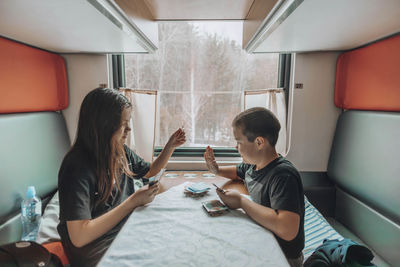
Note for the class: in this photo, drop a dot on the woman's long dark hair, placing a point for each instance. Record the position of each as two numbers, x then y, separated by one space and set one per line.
99 119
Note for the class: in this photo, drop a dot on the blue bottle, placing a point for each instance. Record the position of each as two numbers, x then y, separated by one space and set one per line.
31 214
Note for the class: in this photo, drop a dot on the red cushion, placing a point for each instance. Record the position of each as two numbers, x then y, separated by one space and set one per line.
368 78
31 79
57 249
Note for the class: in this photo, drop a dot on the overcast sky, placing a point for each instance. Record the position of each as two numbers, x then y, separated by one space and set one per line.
231 29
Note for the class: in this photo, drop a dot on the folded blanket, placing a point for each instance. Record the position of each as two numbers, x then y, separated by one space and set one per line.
340 253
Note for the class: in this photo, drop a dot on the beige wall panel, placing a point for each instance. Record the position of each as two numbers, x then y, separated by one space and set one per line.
314 112
85 72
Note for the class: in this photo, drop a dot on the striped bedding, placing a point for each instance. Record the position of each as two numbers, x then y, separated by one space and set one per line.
316 229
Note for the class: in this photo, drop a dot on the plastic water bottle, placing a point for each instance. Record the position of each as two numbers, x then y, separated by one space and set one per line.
31 213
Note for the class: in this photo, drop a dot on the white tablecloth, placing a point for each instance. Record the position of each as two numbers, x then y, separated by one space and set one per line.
174 230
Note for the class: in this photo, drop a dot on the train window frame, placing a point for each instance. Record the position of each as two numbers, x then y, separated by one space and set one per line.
283 81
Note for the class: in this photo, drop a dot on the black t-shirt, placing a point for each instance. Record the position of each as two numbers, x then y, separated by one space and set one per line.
278 186
77 185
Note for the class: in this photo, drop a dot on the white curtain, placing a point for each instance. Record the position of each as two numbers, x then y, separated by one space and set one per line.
274 100
144 109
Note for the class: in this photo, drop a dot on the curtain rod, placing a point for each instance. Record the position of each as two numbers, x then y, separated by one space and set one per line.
248 92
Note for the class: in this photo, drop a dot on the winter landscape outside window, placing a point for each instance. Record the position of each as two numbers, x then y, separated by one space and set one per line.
200 72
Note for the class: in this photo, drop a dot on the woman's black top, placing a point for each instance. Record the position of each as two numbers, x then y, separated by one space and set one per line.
77 184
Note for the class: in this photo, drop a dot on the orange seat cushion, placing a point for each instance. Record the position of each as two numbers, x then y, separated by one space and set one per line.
31 79
368 78
57 249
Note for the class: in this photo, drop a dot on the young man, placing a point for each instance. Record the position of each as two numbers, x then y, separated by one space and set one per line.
273 182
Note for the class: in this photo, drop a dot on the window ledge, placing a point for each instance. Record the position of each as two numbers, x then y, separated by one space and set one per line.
198 163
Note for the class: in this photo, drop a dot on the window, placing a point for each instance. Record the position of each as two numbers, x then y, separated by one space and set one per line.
200 72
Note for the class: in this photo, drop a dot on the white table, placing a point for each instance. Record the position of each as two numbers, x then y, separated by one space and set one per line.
174 230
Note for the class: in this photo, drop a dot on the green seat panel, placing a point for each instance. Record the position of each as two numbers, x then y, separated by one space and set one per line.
364 159
32 146
365 166
375 230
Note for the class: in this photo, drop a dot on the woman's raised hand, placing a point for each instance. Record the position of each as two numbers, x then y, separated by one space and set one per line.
210 160
176 139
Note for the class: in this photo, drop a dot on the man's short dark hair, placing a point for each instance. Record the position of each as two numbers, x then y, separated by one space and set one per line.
256 122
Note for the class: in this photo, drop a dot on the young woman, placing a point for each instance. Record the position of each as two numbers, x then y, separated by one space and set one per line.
95 182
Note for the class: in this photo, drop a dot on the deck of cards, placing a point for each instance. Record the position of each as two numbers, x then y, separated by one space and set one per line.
196 189
214 207
154 179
